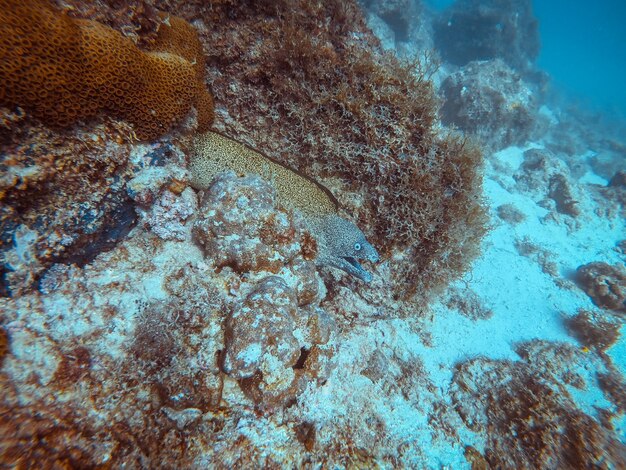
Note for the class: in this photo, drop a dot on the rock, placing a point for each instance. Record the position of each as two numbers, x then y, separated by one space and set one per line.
560 191
529 421
396 13
240 227
471 30
618 179
491 101
605 284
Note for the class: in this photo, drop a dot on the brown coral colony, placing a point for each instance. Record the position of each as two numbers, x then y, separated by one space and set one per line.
62 70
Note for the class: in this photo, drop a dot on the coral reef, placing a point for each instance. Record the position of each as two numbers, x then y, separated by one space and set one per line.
536 170
64 195
317 95
481 30
143 361
81 196
605 284
491 101
62 199
62 70
139 20
173 358
147 321
529 418
612 198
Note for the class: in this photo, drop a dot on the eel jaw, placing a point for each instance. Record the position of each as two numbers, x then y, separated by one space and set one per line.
357 270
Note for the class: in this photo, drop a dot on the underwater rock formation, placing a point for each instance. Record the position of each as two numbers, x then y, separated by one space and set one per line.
62 199
273 349
544 176
357 121
471 30
593 329
171 362
528 413
489 100
204 335
62 70
396 13
605 284
239 227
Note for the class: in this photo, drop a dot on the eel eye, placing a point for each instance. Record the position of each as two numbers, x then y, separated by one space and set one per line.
357 246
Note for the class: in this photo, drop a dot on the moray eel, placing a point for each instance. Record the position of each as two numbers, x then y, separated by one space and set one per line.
340 242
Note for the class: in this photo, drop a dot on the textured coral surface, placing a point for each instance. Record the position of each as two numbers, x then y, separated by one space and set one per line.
62 198
185 337
62 69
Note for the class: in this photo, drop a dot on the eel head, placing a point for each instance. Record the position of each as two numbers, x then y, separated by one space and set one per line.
342 244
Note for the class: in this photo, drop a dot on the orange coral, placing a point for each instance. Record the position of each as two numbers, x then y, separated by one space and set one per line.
62 69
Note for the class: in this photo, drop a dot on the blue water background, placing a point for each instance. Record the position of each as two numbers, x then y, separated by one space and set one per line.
583 49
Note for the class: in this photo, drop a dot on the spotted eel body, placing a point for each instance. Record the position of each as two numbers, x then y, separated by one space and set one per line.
340 242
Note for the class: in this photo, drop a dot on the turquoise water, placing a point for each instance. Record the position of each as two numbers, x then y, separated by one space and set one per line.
584 49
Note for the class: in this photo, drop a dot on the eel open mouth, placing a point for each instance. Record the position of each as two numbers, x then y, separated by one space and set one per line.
358 269
353 262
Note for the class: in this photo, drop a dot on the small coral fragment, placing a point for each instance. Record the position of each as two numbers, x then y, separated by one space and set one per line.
62 70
